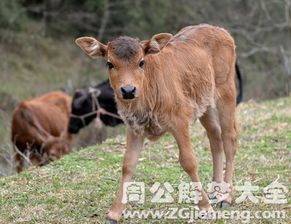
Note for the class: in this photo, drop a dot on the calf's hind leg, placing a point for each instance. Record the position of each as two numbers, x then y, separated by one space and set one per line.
211 123
229 137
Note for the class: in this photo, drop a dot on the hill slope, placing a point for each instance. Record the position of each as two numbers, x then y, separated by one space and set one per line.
80 187
31 65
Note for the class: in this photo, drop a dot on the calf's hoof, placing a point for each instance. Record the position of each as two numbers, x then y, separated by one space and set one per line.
110 221
225 204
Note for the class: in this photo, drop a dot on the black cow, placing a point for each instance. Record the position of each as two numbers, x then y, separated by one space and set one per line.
85 104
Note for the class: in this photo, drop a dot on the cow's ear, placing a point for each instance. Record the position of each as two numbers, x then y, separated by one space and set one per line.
79 102
156 43
91 46
78 93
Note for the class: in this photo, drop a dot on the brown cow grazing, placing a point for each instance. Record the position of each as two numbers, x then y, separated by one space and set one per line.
39 128
161 84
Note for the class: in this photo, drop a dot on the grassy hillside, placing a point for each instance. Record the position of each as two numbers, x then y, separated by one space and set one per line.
80 187
33 64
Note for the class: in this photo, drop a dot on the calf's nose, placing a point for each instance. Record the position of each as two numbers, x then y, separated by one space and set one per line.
128 92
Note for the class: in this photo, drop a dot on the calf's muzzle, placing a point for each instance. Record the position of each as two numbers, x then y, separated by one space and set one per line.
128 92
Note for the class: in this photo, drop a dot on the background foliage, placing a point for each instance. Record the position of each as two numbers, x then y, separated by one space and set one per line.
262 30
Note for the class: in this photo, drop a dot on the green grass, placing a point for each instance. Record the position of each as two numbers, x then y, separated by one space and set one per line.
80 187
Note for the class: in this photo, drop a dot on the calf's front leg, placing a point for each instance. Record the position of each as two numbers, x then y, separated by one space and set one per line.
133 149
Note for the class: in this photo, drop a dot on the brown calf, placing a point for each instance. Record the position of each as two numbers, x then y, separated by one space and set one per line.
162 84
39 129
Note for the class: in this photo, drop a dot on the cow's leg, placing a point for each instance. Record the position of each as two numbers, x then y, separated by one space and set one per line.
188 159
210 121
35 159
18 157
34 156
227 119
133 148
18 162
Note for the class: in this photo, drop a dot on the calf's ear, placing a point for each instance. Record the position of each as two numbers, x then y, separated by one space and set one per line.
156 43
91 46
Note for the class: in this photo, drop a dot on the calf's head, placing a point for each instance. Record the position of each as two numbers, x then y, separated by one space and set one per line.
53 147
56 147
126 61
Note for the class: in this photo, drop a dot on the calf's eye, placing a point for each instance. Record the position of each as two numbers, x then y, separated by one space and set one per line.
109 65
141 64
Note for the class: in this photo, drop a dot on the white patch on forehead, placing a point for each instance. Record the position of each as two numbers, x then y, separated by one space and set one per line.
183 38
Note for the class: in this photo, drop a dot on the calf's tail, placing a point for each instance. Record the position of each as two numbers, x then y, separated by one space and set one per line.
240 84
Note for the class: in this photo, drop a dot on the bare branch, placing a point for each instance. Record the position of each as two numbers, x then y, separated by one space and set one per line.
287 12
286 60
253 51
264 8
26 158
104 20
